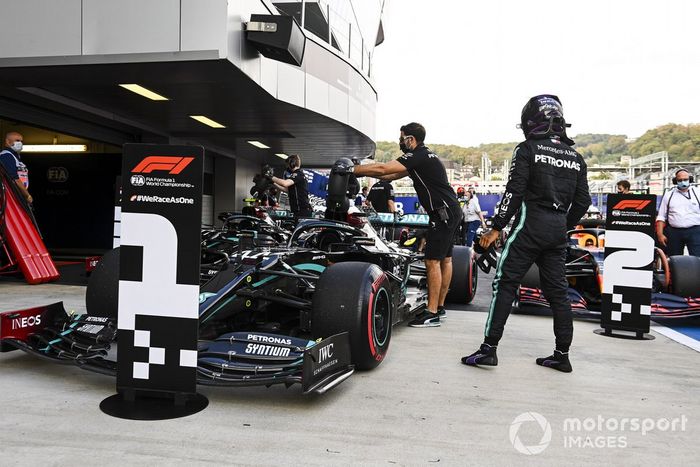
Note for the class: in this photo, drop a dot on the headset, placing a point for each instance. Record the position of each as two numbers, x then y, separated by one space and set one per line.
674 180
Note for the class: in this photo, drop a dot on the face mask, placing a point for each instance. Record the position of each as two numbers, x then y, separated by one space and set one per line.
17 146
684 184
403 148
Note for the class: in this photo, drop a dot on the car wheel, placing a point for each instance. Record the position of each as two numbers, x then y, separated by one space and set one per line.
685 271
465 276
355 297
102 294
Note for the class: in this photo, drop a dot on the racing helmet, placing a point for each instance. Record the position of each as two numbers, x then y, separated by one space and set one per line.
543 116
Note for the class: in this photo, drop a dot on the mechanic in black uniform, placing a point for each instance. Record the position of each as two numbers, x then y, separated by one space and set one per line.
548 186
440 202
381 196
295 184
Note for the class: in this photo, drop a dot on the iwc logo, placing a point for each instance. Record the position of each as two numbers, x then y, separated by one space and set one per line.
138 180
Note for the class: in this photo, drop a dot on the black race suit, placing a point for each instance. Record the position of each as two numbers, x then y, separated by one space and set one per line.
548 186
299 194
435 194
380 194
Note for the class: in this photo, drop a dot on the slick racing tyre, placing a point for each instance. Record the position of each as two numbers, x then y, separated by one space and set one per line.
685 271
355 297
465 276
102 295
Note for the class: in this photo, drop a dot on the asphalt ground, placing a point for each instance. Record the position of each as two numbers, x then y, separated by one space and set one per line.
421 406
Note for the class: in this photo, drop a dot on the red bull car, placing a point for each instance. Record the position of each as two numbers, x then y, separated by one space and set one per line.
676 287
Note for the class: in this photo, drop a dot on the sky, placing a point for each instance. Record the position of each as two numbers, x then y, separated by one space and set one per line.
465 68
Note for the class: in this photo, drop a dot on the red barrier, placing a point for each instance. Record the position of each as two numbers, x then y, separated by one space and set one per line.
25 243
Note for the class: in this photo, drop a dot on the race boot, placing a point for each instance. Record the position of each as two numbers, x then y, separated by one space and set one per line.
486 355
558 361
425 319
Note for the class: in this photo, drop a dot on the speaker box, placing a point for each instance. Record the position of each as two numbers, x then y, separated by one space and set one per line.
285 44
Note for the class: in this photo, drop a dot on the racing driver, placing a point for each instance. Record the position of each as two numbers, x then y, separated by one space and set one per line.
547 187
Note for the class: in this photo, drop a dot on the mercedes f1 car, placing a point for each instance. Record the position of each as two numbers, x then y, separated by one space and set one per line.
676 288
266 307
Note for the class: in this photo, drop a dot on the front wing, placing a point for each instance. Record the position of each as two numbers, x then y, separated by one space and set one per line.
528 296
663 305
233 359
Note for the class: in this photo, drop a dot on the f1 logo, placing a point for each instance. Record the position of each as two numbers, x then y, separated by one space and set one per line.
172 164
637 205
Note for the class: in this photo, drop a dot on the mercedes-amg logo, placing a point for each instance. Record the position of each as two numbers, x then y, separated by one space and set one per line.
523 418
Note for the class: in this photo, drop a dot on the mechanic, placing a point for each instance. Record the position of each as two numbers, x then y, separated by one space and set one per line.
623 187
437 197
12 162
547 185
473 217
381 197
679 214
361 199
296 186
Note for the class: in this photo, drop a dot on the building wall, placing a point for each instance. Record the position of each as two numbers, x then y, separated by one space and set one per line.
245 171
103 31
75 32
232 182
224 185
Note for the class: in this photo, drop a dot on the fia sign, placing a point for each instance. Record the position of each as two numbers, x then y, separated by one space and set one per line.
627 268
159 269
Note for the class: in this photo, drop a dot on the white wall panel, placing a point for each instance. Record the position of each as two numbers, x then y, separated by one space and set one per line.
354 113
290 84
316 95
368 122
37 28
268 75
337 104
130 26
203 25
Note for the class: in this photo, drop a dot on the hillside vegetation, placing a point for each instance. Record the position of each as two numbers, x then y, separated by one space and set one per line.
681 141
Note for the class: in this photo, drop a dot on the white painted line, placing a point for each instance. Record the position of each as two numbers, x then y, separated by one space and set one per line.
677 336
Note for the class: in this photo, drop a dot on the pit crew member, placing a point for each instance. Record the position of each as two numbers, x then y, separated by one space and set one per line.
440 202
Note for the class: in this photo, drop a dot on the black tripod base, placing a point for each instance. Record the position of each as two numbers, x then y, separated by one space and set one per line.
640 336
153 408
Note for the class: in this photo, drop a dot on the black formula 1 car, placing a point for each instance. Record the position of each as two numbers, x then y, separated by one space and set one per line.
675 293
265 310
254 228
